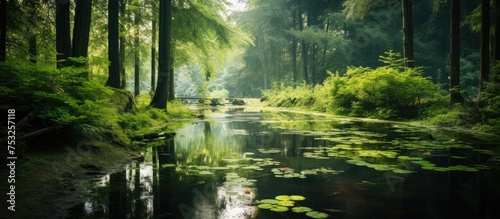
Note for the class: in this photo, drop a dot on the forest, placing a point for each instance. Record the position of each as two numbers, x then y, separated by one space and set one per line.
99 77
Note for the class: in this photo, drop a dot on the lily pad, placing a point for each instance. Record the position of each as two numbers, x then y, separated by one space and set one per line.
268 201
297 198
279 209
266 206
205 172
286 203
316 214
282 197
301 209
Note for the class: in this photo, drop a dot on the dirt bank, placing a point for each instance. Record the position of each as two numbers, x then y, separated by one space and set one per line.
49 183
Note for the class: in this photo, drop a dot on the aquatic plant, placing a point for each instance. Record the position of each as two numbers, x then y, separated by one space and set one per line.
316 214
301 209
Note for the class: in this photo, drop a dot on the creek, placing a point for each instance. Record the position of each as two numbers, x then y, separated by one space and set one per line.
239 163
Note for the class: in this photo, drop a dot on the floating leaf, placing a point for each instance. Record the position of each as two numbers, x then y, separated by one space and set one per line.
266 206
205 172
286 203
282 197
268 201
279 209
301 209
220 168
297 198
317 214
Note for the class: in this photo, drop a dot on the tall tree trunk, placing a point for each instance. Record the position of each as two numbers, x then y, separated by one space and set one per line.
153 47
408 34
81 29
304 47
294 51
63 37
455 96
136 53
113 49
3 29
171 90
484 67
160 98
33 48
496 53
123 5
323 61
313 63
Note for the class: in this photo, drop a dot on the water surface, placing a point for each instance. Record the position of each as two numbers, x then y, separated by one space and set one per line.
231 164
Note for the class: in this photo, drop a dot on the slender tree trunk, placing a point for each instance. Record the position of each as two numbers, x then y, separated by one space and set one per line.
304 48
81 30
455 96
294 51
496 53
113 48
123 82
63 37
3 30
408 34
153 47
484 67
323 62
171 90
33 48
136 54
160 97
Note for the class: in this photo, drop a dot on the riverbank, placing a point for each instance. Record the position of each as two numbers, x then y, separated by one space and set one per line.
49 183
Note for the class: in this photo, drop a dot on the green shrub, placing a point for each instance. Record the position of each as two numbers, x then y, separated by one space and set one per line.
387 92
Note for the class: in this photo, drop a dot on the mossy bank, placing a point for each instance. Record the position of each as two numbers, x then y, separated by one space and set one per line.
68 130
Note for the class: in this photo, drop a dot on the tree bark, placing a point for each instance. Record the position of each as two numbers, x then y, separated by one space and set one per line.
153 47
160 98
3 30
408 34
81 30
123 75
496 53
136 54
304 48
63 38
171 90
455 96
294 52
484 67
113 48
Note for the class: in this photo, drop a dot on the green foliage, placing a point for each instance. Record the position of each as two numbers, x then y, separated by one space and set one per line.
387 92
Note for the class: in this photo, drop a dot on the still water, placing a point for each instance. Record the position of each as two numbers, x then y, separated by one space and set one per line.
239 164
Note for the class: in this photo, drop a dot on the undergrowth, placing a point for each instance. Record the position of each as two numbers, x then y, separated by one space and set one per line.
387 92
62 106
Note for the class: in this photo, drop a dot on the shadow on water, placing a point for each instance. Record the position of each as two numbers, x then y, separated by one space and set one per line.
235 164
